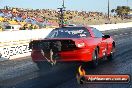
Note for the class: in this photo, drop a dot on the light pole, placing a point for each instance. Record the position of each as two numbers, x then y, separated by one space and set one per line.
61 15
63 4
108 9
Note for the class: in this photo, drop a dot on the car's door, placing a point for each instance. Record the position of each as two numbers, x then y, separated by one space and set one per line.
102 43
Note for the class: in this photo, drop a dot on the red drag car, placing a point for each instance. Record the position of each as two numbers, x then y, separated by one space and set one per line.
73 44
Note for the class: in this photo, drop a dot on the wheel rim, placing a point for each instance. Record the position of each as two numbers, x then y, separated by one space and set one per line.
95 59
112 52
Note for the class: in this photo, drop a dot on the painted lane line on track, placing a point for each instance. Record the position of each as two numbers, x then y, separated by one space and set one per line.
125 33
115 35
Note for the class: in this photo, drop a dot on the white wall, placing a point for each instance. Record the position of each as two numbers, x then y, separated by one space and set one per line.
12 45
105 27
23 35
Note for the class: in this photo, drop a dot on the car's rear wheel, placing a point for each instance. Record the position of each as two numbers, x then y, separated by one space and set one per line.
95 59
112 53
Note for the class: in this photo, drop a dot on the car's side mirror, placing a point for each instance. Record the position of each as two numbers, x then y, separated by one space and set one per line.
105 36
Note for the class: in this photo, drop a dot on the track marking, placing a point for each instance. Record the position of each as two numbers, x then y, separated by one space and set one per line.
121 34
125 33
115 35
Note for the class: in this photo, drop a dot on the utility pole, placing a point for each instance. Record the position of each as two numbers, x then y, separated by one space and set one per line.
63 4
61 15
108 10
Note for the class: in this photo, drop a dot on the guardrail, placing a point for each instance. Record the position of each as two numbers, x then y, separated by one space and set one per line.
14 44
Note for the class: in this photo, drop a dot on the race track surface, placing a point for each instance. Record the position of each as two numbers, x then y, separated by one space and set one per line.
27 75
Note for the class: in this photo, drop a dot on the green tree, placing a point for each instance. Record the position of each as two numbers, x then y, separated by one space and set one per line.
113 10
121 10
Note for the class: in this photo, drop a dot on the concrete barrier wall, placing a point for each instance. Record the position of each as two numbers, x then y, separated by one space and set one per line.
105 27
14 51
14 44
7 36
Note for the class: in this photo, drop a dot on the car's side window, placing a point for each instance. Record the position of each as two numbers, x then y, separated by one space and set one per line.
97 33
85 33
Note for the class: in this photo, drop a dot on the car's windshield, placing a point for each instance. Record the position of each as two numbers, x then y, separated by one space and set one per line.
69 33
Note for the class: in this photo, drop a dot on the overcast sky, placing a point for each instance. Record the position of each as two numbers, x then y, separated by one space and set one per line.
87 5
